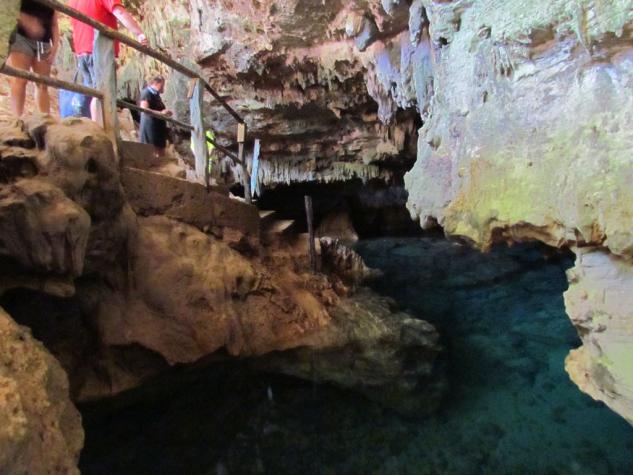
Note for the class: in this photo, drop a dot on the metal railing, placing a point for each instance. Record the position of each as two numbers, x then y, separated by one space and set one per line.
106 92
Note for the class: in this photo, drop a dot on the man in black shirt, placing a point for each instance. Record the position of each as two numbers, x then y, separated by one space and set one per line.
33 45
153 130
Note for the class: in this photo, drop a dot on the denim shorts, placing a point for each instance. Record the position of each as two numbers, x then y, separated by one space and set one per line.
86 67
32 48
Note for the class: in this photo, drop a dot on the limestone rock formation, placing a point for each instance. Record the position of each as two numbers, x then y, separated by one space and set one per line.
536 146
599 302
193 295
323 109
338 225
10 12
129 296
61 203
388 356
40 429
344 262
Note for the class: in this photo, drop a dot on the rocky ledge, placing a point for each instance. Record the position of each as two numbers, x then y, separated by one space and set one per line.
117 297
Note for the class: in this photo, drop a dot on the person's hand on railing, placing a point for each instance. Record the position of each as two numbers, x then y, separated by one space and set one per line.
167 112
141 38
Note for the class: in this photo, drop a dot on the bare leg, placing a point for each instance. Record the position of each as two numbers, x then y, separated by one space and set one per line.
95 111
18 86
43 99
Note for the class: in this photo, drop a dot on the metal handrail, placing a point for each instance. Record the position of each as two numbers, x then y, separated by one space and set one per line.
118 36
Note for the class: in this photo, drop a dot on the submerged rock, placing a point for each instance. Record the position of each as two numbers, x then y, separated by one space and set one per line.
388 356
341 260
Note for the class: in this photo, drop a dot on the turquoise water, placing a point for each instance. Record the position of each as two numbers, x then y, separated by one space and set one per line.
511 408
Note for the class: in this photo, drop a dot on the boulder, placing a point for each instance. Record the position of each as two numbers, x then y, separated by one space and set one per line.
388 356
600 304
40 429
41 228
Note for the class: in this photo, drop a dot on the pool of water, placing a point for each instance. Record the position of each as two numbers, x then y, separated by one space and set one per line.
510 408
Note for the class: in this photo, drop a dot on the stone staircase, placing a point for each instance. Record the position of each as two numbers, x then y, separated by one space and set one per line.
274 230
153 193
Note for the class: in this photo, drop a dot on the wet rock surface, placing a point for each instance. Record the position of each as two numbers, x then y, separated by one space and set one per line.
389 357
129 296
511 406
599 304
40 429
535 148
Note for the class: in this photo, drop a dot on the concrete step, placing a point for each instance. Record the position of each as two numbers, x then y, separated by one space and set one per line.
277 233
280 227
266 217
140 156
152 194
136 155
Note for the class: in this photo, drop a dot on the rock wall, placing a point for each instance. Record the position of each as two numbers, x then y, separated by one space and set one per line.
525 109
327 86
10 9
40 429
128 296
528 137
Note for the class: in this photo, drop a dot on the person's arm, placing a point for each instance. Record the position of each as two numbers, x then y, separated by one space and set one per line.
130 23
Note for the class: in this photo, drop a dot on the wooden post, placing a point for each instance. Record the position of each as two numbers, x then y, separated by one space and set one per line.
310 219
105 72
246 176
198 139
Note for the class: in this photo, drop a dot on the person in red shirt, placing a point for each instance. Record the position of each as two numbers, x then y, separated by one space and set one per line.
106 12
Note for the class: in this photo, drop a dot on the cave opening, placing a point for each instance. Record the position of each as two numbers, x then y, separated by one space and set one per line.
373 208
510 407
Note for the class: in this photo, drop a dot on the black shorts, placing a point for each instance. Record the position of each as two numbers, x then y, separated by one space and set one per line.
86 67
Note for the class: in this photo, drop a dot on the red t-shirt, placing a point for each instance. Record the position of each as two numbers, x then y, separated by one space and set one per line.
100 10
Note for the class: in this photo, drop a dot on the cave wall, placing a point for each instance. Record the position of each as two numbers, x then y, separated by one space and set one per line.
524 105
528 137
7 25
40 429
329 87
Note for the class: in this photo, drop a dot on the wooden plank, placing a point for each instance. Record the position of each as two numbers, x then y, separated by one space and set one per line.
49 81
198 135
105 77
116 35
310 219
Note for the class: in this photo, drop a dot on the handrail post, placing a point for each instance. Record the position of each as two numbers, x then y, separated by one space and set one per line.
198 138
246 176
310 221
105 72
